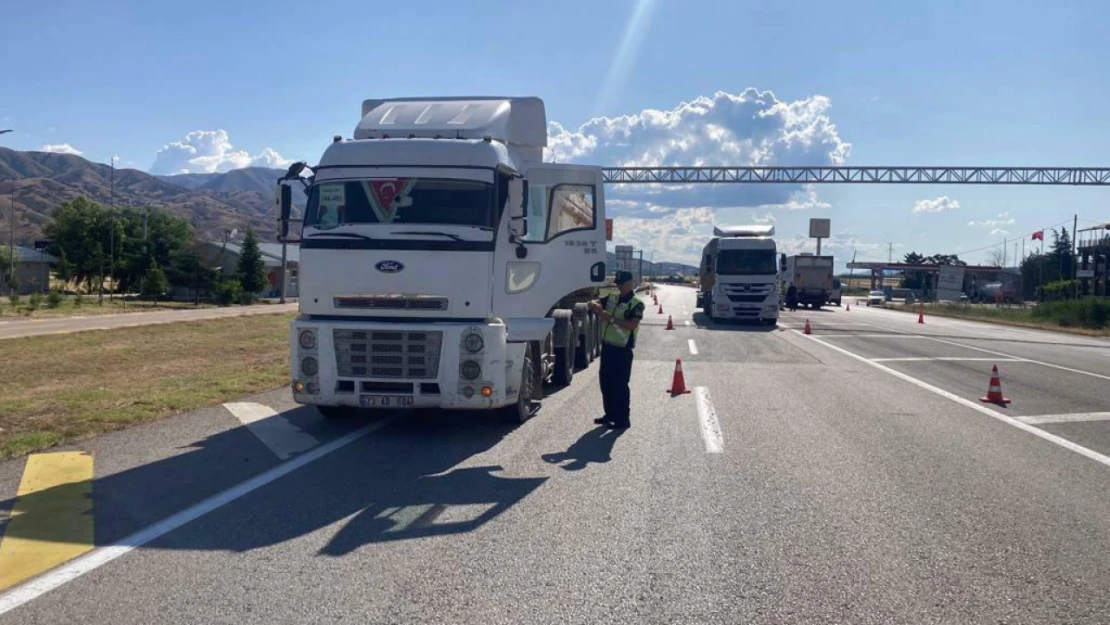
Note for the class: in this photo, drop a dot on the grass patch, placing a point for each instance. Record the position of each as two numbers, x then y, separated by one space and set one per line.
68 306
62 388
1090 316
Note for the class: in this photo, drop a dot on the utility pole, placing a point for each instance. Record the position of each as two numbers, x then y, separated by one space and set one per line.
1074 259
112 225
11 246
889 253
1005 243
641 278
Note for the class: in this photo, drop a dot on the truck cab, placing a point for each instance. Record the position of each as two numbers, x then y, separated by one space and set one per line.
441 260
738 275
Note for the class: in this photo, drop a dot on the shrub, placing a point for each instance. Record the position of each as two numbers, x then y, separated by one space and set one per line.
228 292
34 301
53 299
1091 312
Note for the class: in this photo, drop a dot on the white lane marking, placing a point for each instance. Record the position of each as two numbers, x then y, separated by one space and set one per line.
710 428
945 359
693 347
867 336
978 407
96 558
689 323
1075 417
282 437
996 353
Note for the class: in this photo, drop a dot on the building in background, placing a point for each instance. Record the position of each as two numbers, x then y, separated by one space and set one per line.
32 271
224 257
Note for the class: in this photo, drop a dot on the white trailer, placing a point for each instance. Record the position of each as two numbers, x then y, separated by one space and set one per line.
442 263
813 275
739 275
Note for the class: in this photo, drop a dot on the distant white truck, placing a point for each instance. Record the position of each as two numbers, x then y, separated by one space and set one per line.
813 276
739 275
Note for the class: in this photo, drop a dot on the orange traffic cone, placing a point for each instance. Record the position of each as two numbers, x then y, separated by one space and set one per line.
670 324
921 316
807 329
994 391
660 309
847 307
678 384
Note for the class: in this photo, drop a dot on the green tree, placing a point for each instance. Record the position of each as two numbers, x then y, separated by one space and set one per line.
8 265
64 270
252 271
188 270
155 284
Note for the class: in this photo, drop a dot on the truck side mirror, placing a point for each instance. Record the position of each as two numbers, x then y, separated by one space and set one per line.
518 214
284 201
518 208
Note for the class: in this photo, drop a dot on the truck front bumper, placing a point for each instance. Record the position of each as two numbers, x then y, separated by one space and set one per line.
402 365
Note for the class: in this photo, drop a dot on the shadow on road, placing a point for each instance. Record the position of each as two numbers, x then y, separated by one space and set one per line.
702 321
400 482
595 446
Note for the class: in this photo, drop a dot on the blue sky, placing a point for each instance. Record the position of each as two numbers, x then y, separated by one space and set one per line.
885 83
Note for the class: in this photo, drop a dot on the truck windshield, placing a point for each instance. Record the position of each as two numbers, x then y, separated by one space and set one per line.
415 201
744 262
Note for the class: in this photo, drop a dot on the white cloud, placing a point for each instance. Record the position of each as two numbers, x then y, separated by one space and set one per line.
769 218
939 205
210 151
997 232
677 237
1002 219
805 199
61 148
749 128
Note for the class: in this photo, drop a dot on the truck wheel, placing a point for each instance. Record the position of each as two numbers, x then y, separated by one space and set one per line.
582 340
337 412
522 410
771 322
564 361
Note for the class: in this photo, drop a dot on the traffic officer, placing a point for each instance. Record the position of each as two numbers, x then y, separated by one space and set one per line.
620 321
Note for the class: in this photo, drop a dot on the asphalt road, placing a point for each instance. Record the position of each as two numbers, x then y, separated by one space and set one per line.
63 325
805 479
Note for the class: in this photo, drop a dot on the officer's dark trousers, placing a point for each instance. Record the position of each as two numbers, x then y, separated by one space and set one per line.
616 369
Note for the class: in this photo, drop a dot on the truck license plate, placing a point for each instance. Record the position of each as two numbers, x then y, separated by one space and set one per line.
385 401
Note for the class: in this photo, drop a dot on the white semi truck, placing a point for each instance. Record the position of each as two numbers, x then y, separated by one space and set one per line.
739 275
442 263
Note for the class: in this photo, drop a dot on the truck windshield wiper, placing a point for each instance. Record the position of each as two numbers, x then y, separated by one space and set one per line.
349 235
442 234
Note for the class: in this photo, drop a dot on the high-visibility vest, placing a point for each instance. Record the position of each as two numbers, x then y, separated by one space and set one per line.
614 335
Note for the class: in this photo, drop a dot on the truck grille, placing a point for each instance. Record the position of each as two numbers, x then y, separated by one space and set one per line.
389 302
747 293
400 354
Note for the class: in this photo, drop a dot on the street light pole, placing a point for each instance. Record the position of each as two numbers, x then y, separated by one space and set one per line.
11 245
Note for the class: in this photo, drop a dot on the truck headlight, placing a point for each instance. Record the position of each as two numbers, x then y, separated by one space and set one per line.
307 339
310 366
473 343
471 370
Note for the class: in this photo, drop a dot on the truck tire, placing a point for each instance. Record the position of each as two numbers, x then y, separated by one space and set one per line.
564 357
582 341
337 412
771 322
524 408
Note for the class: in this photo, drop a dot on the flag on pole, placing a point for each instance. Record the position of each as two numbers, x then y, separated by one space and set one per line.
1038 235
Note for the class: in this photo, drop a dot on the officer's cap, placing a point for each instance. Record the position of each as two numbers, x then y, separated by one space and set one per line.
622 277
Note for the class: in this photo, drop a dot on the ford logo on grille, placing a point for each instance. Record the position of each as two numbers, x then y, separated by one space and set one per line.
389 266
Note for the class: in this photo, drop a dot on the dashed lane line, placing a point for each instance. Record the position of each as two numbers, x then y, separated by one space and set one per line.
710 427
693 347
98 557
944 359
1074 417
978 407
276 432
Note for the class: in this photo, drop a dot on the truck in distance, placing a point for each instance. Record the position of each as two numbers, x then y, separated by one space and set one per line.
738 275
813 276
443 263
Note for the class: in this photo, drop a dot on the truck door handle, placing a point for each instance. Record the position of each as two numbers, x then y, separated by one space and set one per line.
597 272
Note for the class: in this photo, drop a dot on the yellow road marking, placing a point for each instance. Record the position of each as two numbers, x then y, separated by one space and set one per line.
52 519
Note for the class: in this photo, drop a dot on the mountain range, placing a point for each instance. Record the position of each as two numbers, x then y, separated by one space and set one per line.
214 203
